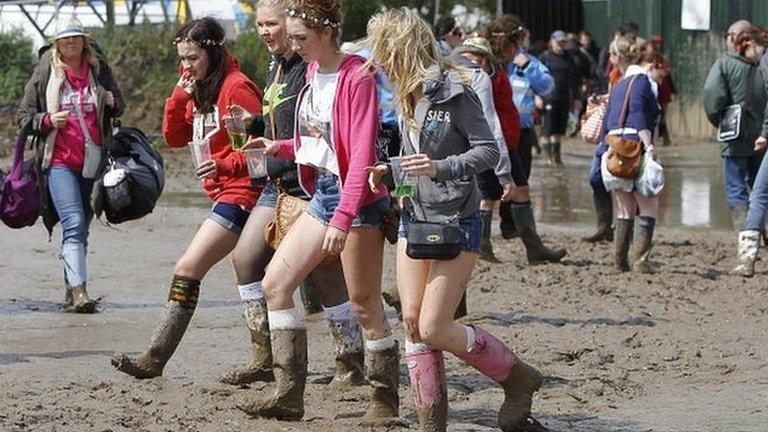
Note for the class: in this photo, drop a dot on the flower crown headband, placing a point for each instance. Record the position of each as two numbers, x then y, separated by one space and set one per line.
309 17
207 42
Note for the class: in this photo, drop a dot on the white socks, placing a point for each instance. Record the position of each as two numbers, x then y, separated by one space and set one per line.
286 319
380 344
251 291
416 347
470 337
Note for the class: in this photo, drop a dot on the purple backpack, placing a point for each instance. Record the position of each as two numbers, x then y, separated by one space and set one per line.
19 205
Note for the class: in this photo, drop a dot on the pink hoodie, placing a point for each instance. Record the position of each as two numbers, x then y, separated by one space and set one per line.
355 127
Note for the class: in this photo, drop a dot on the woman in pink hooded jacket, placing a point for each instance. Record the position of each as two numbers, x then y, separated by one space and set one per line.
333 144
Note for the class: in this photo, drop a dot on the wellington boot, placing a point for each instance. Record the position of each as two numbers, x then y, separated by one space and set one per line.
80 300
289 351
69 300
556 150
519 386
641 254
738 216
507 224
535 250
486 247
347 338
622 240
550 148
749 245
604 212
426 370
260 367
383 367
309 297
182 301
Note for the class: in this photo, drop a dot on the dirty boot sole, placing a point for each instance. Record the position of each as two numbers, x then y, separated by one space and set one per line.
137 368
85 307
273 408
247 374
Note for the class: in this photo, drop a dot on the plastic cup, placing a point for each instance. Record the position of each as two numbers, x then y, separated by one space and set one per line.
257 163
236 131
201 152
405 185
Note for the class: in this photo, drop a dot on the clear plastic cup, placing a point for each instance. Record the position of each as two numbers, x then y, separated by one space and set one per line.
236 131
405 185
257 163
201 152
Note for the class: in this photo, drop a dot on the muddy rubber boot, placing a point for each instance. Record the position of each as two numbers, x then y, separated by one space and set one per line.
622 239
643 243
426 370
182 301
81 303
383 368
507 224
309 298
749 245
486 247
604 212
738 216
461 309
347 338
550 148
260 367
535 250
289 351
69 300
557 148
518 379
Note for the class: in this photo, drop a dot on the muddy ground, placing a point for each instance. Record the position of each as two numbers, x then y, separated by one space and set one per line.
684 349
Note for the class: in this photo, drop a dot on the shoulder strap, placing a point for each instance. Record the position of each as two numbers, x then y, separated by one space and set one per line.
79 111
278 75
625 106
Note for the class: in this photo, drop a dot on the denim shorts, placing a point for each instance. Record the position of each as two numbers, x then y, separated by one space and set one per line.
268 196
326 198
230 216
471 226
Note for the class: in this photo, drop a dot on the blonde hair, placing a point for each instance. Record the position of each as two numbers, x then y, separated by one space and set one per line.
89 54
404 46
630 50
280 5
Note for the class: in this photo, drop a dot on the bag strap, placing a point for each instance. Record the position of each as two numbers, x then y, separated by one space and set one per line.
278 75
80 118
625 106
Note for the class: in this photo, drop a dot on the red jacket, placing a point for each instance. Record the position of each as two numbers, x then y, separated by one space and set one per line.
506 110
181 124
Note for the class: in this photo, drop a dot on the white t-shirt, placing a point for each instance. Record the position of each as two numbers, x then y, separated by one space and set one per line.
315 124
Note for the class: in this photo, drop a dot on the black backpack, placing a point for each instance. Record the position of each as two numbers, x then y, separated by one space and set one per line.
141 181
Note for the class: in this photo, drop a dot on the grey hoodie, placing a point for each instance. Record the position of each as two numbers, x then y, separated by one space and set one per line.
455 134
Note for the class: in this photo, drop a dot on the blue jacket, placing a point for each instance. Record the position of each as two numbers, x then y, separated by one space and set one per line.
643 107
385 92
532 79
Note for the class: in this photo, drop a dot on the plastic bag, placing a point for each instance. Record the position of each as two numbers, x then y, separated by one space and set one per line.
650 181
612 182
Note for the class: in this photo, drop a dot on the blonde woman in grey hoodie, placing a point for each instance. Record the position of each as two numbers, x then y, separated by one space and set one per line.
446 142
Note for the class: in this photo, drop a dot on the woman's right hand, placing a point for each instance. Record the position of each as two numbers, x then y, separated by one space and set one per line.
269 146
59 119
187 82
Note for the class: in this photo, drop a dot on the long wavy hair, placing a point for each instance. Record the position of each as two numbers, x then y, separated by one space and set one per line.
404 46
209 35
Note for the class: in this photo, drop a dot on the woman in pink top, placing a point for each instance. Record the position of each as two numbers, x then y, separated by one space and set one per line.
336 127
72 96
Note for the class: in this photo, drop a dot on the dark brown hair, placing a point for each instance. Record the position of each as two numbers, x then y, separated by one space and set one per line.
318 14
209 35
502 32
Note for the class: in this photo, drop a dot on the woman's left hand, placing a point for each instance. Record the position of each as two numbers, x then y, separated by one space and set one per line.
375 174
419 165
334 241
109 99
206 170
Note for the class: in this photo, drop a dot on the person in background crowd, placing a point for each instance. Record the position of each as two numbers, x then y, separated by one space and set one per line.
528 76
735 79
252 254
445 157
589 47
640 90
585 68
604 64
211 83
667 91
558 101
752 46
516 210
449 35
336 130
71 81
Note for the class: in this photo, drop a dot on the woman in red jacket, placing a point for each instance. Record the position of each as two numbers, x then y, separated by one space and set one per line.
211 82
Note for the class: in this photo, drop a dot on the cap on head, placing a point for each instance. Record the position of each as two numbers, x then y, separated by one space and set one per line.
558 36
68 27
476 45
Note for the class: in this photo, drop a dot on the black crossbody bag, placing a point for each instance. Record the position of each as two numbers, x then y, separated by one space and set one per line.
433 240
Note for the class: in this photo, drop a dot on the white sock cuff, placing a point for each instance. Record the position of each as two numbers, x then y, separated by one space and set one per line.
416 347
470 337
286 319
380 344
251 291
340 312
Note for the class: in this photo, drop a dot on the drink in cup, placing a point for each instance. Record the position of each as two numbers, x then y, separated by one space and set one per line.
405 185
257 165
201 152
236 131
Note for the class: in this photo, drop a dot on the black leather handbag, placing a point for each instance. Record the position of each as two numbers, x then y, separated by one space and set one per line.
433 240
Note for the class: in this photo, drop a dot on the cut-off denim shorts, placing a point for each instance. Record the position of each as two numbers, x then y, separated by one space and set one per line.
268 197
471 226
230 216
326 198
